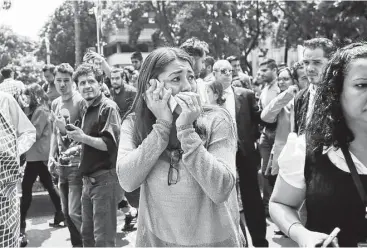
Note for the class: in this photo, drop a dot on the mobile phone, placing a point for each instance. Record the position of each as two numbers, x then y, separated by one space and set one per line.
331 237
172 103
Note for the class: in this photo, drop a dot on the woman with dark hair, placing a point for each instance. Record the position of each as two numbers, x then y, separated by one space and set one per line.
327 166
182 156
214 91
38 112
279 111
299 74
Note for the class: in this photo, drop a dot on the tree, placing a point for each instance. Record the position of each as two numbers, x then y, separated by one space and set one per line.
60 29
13 46
341 21
78 45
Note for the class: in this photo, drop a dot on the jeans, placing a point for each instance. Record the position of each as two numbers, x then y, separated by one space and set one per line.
100 197
70 184
32 170
265 147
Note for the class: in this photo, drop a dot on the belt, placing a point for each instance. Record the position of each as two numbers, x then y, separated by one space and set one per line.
92 177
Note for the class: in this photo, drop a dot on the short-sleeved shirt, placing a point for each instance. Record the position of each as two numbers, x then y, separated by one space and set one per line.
293 157
69 150
102 120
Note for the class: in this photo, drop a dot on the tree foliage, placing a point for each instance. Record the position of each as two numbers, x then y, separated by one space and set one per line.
341 21
60 30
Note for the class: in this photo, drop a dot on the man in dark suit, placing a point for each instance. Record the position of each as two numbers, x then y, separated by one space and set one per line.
245 112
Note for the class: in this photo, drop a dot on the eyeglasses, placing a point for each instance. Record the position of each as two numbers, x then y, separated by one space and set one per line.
173 175
284 79
225 71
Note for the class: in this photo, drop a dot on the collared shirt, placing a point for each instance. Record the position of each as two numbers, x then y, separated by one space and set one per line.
268 93
25 131
11 86
102 120
230 103
293 156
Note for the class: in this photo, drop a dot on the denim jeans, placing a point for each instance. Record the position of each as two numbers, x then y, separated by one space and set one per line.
70 184
100 197
265 146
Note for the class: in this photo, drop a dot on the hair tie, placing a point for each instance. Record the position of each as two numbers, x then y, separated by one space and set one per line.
335 73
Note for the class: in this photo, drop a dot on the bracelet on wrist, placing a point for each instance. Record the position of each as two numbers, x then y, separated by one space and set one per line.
183 127
289 228
165 123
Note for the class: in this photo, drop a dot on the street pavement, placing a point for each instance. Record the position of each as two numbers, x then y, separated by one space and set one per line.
41 235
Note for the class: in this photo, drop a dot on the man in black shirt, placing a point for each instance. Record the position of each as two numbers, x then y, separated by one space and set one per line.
99 136
121 93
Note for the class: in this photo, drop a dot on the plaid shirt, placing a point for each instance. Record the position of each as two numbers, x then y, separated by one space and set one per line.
11 86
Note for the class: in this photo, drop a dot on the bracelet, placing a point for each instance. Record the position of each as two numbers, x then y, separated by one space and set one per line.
289 228
165 123
183 127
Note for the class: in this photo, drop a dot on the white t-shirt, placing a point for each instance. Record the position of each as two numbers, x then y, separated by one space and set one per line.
293 156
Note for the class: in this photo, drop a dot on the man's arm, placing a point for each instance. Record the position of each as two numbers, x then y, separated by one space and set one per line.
94 142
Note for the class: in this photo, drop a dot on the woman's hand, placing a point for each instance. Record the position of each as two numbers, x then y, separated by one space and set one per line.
158 106
315 239
191 108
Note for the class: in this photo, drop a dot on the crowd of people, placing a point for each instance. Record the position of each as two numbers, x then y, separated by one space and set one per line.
192 134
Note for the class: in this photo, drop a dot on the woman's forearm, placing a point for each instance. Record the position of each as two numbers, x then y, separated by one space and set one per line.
134 164
287 219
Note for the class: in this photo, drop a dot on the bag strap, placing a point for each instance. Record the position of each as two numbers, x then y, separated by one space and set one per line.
356 178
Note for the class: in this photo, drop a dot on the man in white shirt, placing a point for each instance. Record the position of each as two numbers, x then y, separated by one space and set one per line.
268 73
315 56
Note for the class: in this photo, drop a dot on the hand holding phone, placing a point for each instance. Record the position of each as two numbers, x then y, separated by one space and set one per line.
157 100
69 127
172 103
331 237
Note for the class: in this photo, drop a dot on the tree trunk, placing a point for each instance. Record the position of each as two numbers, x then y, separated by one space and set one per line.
78 52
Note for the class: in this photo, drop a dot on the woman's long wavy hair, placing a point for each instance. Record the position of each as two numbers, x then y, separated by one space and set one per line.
37 97
327 126
152 67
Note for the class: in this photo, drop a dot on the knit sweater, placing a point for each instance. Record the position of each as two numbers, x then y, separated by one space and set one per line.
201 209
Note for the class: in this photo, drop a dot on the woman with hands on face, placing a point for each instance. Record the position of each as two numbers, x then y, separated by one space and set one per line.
182 156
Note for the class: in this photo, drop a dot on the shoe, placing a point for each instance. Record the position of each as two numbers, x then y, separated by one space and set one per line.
58 219
130 222
23 241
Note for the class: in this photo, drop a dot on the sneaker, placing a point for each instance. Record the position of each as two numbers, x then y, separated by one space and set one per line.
23 241
130 222
59 220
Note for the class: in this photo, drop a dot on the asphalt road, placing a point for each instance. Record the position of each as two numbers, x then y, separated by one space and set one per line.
41 235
